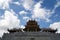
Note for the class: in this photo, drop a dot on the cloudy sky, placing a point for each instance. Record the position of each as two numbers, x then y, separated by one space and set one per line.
15 13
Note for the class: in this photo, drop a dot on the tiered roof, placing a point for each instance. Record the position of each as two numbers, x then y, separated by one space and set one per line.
32 25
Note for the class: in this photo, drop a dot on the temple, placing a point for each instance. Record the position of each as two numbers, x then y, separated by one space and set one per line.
32 26
32 31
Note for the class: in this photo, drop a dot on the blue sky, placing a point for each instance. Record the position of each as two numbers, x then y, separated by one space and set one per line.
15 13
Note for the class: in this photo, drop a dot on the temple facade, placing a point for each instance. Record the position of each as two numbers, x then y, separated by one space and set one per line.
32 31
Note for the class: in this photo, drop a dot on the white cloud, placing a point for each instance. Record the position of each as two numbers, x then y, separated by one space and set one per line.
27 4
26 18
56 6
22 12
22 26
10 21
17 3
55 25
4 4
41 13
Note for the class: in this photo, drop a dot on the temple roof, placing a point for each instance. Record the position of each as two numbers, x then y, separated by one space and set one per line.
32 25
14 30
48 30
